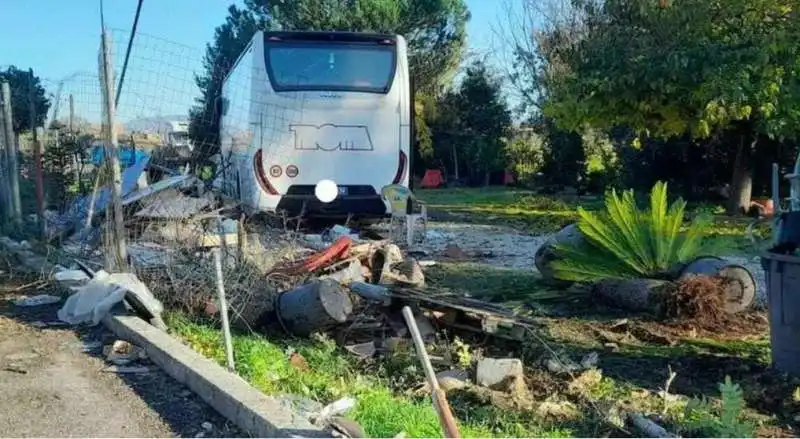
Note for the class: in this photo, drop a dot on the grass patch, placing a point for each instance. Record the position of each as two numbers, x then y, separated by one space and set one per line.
519 208
383 408
540 214
495 284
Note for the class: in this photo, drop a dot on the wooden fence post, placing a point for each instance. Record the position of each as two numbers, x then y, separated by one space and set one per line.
12 170
38 149
5 193
117 257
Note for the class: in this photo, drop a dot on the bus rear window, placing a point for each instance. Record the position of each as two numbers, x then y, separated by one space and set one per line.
325 67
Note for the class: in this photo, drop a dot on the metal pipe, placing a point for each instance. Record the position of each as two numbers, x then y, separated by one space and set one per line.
223 310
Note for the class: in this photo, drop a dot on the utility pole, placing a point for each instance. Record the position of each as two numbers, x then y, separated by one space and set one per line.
11 156
116 260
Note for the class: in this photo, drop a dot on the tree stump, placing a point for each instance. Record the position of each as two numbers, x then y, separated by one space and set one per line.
314 307
739 286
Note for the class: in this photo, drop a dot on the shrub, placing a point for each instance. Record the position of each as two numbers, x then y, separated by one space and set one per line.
624 242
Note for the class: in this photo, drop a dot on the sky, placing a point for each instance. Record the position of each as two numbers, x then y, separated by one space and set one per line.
167 51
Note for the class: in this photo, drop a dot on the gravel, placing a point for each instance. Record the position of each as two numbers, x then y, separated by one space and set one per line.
492 245
53 384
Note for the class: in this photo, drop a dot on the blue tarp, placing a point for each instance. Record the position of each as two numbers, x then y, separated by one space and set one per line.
128 155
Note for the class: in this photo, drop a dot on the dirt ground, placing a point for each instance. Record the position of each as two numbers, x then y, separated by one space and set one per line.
53 385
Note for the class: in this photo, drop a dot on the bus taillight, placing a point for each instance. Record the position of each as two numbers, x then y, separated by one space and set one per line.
401 168
258 168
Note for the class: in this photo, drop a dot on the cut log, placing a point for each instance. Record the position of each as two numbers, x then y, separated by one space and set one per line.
314 307
631 294
739 286
569 235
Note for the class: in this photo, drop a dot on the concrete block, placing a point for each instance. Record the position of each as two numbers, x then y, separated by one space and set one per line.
493 371
252 411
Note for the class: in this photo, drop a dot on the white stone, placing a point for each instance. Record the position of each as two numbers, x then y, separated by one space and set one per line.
492 371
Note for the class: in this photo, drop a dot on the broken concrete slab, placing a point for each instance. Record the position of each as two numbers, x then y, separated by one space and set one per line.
493 371
70 278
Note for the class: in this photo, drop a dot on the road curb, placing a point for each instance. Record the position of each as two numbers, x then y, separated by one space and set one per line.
231 396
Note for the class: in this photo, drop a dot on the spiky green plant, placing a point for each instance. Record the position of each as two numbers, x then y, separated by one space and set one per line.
623 241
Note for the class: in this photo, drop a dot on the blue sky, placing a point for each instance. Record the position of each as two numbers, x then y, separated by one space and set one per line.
165 56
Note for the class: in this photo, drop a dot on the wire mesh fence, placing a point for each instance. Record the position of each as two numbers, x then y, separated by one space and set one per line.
166 231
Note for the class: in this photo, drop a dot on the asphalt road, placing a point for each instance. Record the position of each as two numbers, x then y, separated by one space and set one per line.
53 384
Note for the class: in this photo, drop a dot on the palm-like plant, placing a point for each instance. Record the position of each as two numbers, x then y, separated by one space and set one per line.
624 242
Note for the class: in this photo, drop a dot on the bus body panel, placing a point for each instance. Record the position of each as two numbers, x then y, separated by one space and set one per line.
275 146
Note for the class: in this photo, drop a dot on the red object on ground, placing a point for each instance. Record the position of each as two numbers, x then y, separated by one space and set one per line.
508 178
766 206
336 252
432 179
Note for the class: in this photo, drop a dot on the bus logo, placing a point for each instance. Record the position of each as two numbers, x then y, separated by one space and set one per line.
330 137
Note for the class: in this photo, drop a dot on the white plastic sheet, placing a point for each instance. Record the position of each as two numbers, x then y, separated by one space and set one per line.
93 301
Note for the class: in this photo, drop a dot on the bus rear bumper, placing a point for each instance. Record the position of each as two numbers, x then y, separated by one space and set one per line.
366 206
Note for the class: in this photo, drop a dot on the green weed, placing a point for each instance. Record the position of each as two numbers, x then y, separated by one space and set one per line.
382 410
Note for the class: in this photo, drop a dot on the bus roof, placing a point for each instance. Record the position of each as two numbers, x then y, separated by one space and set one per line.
337 36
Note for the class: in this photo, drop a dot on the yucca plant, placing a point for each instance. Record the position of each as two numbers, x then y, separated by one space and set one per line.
625 242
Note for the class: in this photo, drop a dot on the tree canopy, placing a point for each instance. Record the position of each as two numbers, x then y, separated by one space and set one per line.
435 31
473 123
21 83
694 67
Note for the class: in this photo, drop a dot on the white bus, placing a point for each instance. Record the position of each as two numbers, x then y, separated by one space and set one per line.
302 107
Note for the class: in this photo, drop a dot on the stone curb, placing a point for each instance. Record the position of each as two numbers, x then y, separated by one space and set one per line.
248 408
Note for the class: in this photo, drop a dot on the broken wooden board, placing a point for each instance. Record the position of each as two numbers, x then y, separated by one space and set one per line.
465 313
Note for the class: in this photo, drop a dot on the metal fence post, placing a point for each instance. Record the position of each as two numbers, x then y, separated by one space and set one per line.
223 308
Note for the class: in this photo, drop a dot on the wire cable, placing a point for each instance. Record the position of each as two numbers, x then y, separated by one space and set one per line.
128 52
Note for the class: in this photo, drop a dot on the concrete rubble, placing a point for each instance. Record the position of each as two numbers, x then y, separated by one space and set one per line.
91 302
342 281
493 371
